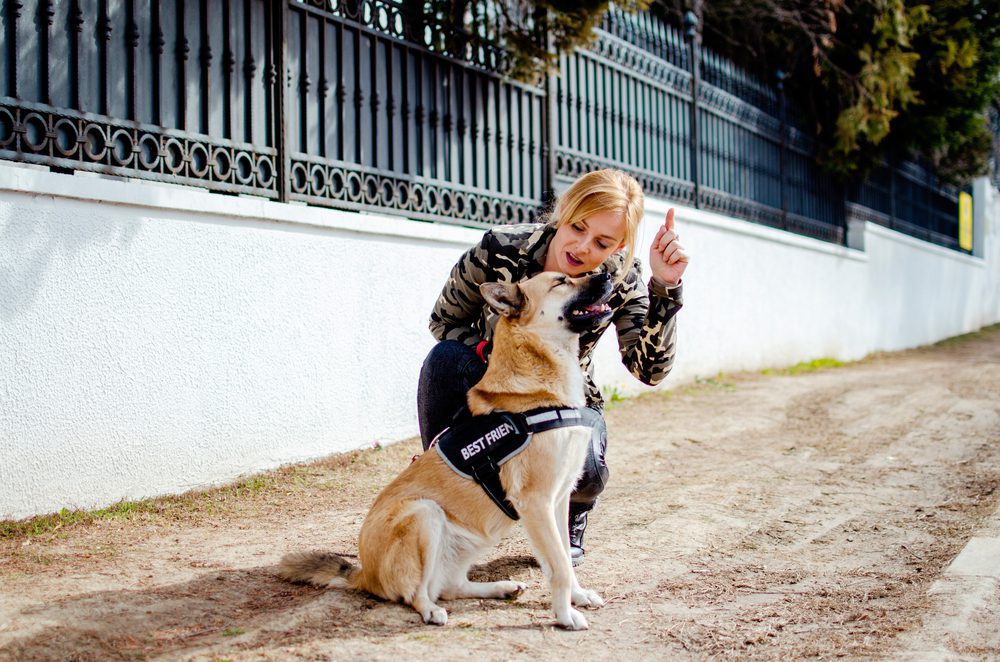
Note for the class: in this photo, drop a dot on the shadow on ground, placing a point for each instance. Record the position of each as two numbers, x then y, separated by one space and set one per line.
242 608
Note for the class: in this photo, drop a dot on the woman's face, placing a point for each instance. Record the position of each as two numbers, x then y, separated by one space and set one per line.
582 246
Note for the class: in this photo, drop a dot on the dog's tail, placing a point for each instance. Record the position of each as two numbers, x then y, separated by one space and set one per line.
318 569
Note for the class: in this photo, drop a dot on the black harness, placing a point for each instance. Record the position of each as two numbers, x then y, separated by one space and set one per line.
477 448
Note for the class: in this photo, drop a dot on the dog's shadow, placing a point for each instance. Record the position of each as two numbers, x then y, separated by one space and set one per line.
504 567
244 607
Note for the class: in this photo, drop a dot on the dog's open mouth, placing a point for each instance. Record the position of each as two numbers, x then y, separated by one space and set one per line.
590 312
590 307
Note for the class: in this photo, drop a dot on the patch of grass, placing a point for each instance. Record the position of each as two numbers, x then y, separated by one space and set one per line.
49 524
954 340
254 484
208 502
720 381
612 396
124 510
233 631
805 366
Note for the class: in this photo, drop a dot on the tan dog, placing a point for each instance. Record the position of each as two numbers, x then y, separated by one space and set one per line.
427 528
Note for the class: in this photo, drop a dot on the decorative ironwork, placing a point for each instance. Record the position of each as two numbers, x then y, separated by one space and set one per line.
638 63
569 166
737 111
858 212
346 186
724 75
35 133
648 34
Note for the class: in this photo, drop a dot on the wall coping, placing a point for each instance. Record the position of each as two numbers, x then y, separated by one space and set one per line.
925 246
90 187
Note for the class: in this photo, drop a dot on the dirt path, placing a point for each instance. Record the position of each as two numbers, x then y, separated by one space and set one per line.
753 516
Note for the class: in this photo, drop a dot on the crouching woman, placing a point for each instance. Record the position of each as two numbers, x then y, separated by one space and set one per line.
592 229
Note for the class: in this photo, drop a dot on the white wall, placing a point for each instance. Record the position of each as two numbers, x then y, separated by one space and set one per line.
758 298
154 339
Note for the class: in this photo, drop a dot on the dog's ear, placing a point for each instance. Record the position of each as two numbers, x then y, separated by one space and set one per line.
506 298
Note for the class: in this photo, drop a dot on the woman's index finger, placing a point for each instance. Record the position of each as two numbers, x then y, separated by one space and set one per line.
669 222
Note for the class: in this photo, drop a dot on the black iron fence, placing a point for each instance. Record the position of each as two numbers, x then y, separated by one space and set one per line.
704 134
908 198
994 117
384 105
171 90
391 109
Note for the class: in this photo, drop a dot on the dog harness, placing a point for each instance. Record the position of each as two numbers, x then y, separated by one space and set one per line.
477 448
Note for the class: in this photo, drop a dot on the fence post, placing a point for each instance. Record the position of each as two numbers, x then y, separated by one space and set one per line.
892 191
782 110
278 78
692 37
548 137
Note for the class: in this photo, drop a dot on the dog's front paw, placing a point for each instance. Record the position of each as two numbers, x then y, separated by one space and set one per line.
587 598
572 620
435 616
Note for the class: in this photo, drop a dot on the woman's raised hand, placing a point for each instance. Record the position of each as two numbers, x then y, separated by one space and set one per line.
667 257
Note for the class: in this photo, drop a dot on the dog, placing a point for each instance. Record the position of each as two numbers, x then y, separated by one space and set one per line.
427 527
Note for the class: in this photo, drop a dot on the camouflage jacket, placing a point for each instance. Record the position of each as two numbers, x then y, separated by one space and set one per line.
643 317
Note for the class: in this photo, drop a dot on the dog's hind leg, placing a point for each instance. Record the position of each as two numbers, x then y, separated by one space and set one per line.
465 547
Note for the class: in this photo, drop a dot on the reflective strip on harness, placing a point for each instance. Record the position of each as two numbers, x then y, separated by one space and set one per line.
548 419
477 448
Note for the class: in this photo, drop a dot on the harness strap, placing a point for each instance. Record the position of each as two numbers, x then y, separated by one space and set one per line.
478 446
488 477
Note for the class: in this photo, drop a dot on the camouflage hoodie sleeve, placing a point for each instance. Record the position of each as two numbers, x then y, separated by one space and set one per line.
457 315
647 328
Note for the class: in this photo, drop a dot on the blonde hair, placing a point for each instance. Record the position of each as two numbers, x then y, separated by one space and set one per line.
602 191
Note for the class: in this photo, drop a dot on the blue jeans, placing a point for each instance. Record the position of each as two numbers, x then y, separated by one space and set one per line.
450 370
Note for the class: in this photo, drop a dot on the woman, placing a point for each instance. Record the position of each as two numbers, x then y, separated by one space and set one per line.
593 228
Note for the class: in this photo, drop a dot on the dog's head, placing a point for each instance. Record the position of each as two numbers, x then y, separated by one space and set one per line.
552 301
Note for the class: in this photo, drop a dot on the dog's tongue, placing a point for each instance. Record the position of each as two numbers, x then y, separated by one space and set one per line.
597 308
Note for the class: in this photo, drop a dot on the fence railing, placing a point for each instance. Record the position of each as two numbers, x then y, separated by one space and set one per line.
177 91
908 198
382 105
629 102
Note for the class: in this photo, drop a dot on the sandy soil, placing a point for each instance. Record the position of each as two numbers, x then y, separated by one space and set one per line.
750 516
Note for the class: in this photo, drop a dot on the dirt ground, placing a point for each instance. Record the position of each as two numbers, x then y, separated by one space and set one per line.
749 516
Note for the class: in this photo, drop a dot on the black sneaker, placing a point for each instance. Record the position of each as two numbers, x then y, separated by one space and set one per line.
577 525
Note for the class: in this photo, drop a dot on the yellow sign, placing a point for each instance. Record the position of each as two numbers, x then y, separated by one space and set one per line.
965 221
